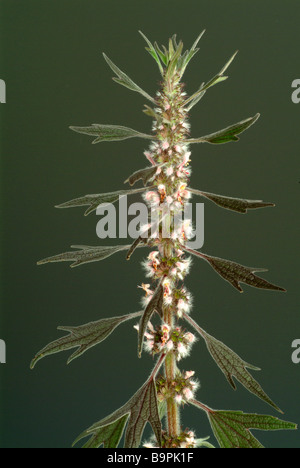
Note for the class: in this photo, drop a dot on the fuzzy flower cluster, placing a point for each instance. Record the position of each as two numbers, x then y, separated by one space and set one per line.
185 439
182 389
163 339
157 266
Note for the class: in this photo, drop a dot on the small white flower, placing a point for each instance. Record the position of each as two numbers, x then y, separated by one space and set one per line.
187 392
189 374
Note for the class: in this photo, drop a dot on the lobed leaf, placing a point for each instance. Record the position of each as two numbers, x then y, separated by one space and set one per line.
232 428
155 305
141 408
235 273
146 175
108 436
239 205
124 80
232 365
83 337
110 132
87 254
93 201
227 134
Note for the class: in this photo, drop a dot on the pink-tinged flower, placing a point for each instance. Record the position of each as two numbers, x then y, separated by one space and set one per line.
189 374
182 305
165 145
169 200
150 157
178 148
190 337
178 398
169 171
182 350
149 344
168 300
167 106
152 198
170 345
188 394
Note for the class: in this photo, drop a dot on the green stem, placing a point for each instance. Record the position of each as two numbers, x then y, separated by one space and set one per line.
173 416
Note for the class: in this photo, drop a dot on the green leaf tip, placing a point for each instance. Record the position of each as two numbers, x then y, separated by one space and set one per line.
227 134
82 337
124 80
239 205
232 365
109 132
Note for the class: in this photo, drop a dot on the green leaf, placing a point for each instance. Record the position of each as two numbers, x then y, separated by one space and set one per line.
205 86
174 62
93 201
232 428
155 305
190 54
232 365
163 56
108 436
227 134
239 205
203 443
87 254
235 273
141 408
134 246
146 175
144 408
83 337
153 53
110 132
124 80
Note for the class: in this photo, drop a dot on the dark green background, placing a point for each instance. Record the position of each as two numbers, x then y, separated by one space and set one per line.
56 77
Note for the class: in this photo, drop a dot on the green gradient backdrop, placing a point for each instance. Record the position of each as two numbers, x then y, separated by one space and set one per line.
56 77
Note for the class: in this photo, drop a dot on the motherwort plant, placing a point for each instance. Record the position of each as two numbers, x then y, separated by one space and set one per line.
167 303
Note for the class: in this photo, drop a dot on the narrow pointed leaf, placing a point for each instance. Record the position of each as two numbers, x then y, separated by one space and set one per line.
232 365
190 54
108 436
87 254
146 175
93 201
235 273
124 80
192 100
134 246
155 305
227 134
163 56
174 62
144 409
110 132
153 53
141 408
239 205
83 337
232 428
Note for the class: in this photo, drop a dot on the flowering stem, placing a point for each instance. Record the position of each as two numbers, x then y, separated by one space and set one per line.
170 372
